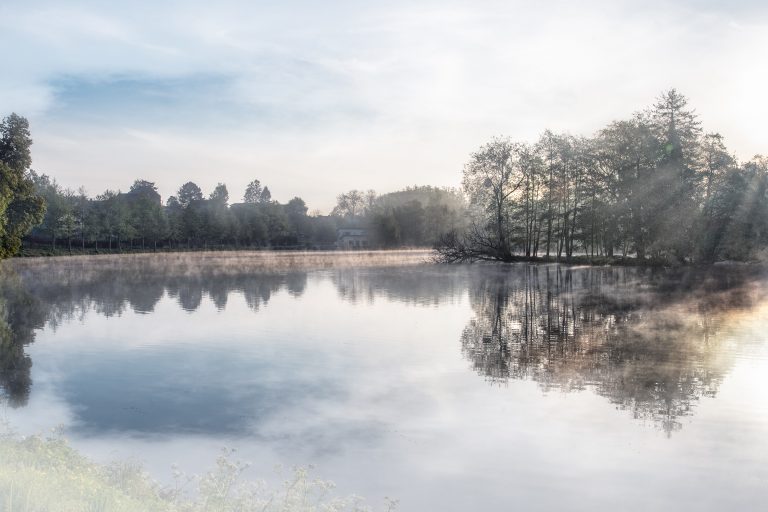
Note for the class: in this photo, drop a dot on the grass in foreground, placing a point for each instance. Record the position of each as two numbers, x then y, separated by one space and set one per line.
40 474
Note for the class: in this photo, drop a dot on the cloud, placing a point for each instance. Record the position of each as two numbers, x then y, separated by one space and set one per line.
317 98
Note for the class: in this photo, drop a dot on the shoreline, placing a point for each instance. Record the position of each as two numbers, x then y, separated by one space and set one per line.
616 261
330 258
227 261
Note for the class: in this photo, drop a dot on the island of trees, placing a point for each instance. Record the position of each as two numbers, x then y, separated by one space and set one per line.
652 188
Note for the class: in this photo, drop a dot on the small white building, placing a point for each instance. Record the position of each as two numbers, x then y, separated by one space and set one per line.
352 238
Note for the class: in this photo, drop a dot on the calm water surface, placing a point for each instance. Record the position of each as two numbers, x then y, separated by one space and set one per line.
515 387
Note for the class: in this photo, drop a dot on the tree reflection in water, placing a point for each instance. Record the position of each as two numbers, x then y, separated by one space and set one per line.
652 341
20 314
40 293
649 340
35 293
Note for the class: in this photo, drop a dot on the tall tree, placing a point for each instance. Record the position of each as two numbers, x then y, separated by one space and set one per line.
649 186
20 207
716 161
491 177
296 209
349 204
252 192
678 129
146 212
266 196
624 188
218 222
220 195
188 193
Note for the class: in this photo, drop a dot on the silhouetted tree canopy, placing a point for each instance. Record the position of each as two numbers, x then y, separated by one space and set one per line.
653 186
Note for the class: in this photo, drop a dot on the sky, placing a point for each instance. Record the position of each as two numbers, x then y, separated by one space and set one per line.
315 98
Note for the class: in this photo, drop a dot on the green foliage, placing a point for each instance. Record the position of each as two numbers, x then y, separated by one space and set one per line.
19 315
415 216
220 195
137 220
735 219
47 475
651 186
36 206
255 194
350 204
188 193
20 208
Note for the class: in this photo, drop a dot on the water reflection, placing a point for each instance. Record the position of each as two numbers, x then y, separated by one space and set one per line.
20 315
47 293
108 287
650 341
422 285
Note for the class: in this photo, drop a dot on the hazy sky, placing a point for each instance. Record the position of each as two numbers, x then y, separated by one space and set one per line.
314 98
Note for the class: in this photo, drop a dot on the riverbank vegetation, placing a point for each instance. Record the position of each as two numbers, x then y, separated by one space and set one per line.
138 221
654 188
39 217
34 291
20 207
650 189
45 474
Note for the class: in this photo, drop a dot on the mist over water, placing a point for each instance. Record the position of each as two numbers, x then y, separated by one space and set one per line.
448 387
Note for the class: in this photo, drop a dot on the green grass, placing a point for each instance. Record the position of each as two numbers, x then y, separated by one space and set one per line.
40 474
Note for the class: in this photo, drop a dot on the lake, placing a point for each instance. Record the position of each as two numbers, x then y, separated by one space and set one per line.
467 387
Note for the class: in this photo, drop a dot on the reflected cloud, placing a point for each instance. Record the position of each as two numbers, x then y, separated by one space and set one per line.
169 392
651 341
51 293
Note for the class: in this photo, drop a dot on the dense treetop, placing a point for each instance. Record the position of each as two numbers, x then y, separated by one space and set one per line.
20 207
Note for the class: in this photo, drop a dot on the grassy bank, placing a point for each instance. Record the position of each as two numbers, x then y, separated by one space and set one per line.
277 260
47 475
314 259
45 250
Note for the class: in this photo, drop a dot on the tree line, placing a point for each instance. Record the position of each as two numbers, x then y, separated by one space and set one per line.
138 220
651 187
417 216
654 186
48 218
